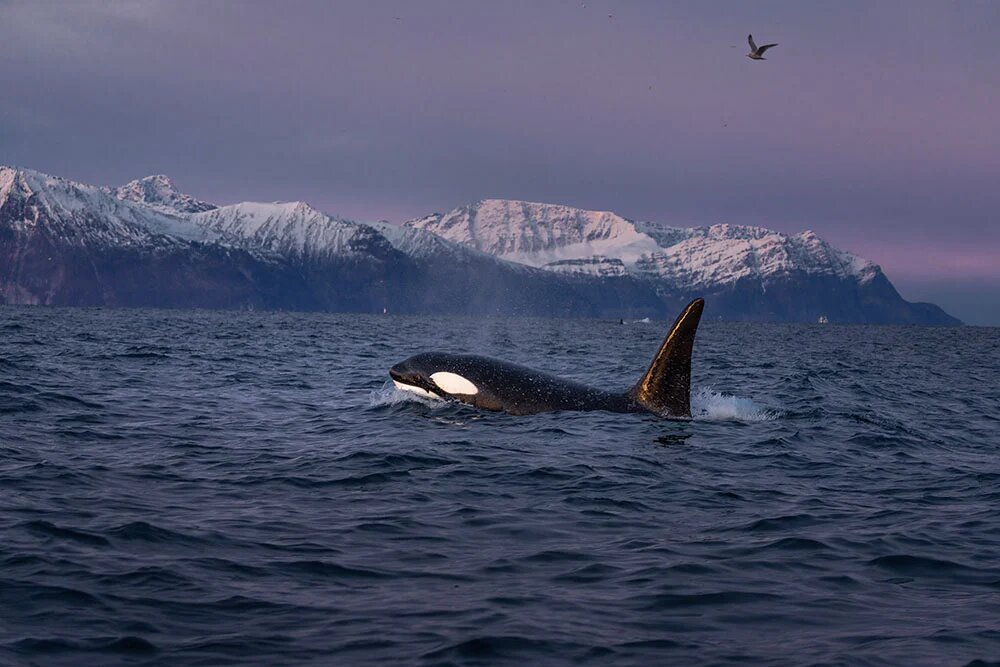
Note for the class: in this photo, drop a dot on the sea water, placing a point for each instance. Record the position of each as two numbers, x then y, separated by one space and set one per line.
211 488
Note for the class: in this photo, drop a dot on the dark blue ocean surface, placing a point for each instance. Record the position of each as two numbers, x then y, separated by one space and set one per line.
204 488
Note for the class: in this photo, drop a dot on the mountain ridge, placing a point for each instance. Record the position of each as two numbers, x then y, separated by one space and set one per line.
538 234
67 243
722 259
159 192
493 256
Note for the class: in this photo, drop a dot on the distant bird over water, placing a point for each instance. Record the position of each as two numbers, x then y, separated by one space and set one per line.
757 52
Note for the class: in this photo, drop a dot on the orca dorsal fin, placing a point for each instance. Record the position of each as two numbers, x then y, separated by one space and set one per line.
666 387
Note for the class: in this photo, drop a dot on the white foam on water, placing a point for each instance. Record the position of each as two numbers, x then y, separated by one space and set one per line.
710 405
390 394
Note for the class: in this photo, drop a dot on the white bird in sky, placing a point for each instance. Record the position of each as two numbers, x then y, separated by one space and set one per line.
757 52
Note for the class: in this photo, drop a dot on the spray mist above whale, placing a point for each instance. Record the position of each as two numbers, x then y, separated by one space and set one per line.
491 384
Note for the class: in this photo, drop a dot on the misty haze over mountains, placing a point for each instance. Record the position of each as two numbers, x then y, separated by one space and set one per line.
146 244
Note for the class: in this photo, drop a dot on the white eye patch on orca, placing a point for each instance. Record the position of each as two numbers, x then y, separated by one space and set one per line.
454 384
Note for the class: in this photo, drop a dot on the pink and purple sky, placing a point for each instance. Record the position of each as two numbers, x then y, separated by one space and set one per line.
877 124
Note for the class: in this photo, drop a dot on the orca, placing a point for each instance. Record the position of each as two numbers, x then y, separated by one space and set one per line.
491 384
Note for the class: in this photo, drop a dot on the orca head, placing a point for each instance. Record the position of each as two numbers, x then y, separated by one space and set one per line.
433 375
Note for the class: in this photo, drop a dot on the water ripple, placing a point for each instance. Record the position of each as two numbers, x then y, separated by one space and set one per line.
201 488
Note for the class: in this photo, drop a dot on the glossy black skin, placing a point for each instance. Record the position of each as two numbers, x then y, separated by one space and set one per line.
664 389
508 387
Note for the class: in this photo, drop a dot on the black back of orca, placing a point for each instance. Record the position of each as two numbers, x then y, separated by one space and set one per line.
491 384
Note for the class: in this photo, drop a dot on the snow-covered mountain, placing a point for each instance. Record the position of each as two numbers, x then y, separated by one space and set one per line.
289 229
146 243
727 254
808 278
67 243
87 214
562 238
413 270
159 192
537 234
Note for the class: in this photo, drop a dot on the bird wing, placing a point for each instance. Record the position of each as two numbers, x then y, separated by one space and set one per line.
764 48
753 47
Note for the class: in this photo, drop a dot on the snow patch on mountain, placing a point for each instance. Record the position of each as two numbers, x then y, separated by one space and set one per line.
292 229
424 245
539 234
416 242
598 265
726 254
159 192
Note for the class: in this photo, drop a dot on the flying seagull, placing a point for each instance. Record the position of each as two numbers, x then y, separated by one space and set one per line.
757 52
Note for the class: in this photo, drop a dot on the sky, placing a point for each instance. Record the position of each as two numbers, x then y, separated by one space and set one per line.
876 124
